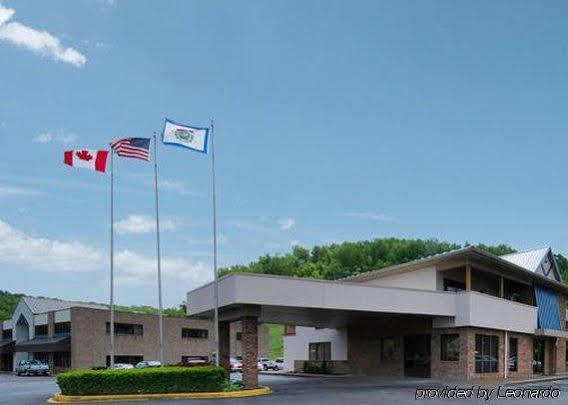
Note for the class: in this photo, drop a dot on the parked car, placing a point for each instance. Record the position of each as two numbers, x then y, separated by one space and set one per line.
32 367
279 363
266 364
235 365
148 363
194 362
121 366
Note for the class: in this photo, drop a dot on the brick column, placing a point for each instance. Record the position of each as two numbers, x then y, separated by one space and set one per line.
561 356
250 351
51 324
224 344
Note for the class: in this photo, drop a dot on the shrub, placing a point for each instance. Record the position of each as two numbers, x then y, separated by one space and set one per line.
143 381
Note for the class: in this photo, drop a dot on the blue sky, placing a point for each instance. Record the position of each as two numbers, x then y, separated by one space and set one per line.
334 121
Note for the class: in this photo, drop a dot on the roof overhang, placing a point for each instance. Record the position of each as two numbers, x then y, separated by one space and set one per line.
470 255
552 333
303 301
55 344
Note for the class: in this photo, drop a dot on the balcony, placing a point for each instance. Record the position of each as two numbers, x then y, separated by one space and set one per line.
485 311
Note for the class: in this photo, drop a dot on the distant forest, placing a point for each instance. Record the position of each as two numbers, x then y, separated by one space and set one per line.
335 261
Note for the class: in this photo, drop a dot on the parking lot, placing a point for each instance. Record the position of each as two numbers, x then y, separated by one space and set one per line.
287 390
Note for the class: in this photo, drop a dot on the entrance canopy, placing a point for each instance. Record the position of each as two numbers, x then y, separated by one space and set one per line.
55 344
312 302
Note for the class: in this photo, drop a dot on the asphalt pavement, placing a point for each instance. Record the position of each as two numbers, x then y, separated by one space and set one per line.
298 390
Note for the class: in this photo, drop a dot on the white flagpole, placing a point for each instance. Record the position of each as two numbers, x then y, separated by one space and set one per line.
215 284
111 260
160 318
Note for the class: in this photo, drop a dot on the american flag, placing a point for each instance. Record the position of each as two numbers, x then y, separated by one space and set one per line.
132 147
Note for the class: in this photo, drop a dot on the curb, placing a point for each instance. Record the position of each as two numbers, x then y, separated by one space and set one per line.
306 375
536 380
78 399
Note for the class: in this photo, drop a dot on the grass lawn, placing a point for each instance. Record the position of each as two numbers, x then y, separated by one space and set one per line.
276 345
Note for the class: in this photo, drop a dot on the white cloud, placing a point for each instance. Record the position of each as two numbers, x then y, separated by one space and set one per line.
178 187
40 42
287 223
44 254
372 216
47 137
15 190
142 224
5 14
37 253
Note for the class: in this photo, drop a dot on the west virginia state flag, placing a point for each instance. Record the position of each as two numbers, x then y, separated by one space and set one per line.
185 135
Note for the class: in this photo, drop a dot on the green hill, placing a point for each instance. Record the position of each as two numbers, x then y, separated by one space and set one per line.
335 261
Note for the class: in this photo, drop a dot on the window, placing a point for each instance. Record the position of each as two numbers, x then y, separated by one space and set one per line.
62 359
194 333
7 334
455 286
450 347
125 329
239 335
486 354
42 357
538 355
387 349
63 329
125 359
41 331
320 351
513 354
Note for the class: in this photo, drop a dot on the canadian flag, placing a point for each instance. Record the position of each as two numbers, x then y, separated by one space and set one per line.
86 158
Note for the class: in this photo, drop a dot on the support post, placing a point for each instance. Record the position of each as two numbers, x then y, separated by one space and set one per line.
111 260
224 344
468 277
250 351
158 258
501 287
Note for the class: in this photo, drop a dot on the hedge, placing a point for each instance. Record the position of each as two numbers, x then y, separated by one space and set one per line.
143 381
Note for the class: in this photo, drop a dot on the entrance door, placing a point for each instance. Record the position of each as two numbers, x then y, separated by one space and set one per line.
417 356
538 355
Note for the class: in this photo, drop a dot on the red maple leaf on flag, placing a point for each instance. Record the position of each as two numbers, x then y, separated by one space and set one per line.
84 155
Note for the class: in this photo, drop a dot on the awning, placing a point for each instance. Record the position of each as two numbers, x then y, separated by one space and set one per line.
6 346
55 344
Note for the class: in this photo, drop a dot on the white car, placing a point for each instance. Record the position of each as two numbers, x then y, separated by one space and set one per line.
122 366
266 364
149 363
279 363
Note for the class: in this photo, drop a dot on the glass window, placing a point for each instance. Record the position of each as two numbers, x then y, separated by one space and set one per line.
455 286
126 329
7 334
62 328
387 349
450 347
41 331
125 359
538 355
320 351
513 354
486 354
188 333
239 335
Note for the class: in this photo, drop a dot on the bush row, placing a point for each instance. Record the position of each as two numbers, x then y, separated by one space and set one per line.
143 381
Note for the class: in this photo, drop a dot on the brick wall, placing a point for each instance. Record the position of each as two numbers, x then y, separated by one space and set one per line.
90 344
363 348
